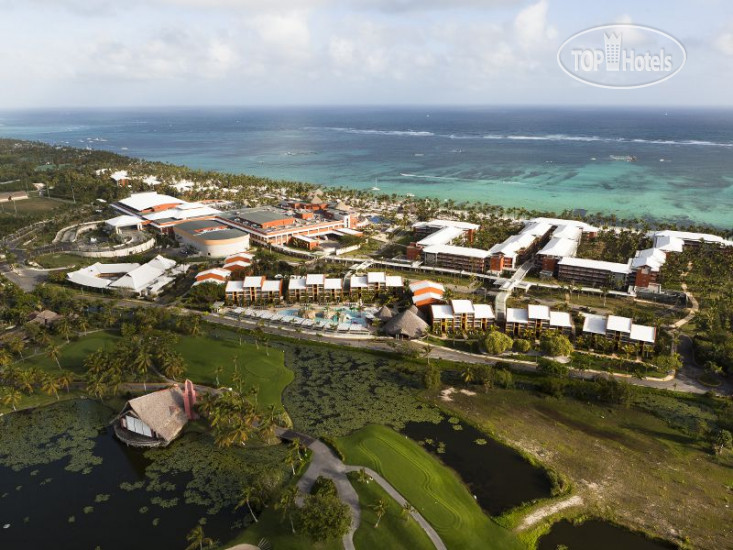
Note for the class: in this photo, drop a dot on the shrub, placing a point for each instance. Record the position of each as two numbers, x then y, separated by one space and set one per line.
497 343
521 345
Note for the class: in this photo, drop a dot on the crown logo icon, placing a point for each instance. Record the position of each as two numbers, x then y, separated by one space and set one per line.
612 43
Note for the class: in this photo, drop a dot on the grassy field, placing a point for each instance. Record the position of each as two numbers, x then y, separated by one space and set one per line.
393 530
276 530
62 259
434 490
263 367
626 464
32 205
72 354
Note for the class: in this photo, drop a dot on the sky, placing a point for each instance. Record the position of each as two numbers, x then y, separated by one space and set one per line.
108 53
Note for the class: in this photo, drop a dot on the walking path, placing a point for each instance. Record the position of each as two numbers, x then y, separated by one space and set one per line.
325 463
546 511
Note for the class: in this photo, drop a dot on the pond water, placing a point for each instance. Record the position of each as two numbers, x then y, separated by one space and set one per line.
598 535
498 476
95 492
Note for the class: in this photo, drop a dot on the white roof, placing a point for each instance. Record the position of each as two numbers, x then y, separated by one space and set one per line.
426 297
272 285
333 284
150 199
618 324
652 257
585 227
441 236
85 278
151 180
483 311
643 333
119 175
394 281
296 283
358 281
441 311
376 277
513 244
466 226
253 281
559 247
215 271
190 210
110 269
516 315
536 311
560 319
568 232
668 243
234 286
123 221
315 279
594 324
143 276
461 307
595 264
457 251
537 228
691 236
419 285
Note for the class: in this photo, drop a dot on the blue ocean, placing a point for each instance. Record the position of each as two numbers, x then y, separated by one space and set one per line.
550 159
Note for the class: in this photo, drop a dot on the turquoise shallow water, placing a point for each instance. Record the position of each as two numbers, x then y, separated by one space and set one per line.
534 158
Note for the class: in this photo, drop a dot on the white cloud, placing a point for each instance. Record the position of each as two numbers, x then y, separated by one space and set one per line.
531 26
724 43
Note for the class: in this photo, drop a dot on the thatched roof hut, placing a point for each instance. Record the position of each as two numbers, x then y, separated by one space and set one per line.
406 325
414 309
384 314
154 419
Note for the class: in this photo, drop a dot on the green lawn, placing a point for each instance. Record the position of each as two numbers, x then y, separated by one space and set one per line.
72 354
436 491
62 259
278 533
393 530
263 367
30 205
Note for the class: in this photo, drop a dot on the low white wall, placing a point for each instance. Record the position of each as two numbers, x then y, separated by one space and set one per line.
117 252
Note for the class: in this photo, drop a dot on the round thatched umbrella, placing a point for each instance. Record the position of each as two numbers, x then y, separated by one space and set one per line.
406 325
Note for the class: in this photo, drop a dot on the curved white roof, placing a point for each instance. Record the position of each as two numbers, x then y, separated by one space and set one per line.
150 199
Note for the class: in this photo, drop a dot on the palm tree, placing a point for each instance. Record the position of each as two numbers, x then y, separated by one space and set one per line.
291 461
197 539
64 328
27 379
468 375
54 352
288 497
379 508
12 398
16 345
363 477
5 358
50 386
427 350
64 381
217 372
247 496
407 510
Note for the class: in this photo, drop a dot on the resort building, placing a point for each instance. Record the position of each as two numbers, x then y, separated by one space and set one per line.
255 289
461 316
646 267
297 291
239 262
212 238
460 258
216 275
594 273
620 330
373 283
163 212
333 289
268 225
156 419
673 241
438 233
425 293
535 320
517 249
144 280
124 220
563 243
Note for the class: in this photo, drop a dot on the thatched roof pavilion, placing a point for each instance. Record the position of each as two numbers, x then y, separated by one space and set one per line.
406 325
